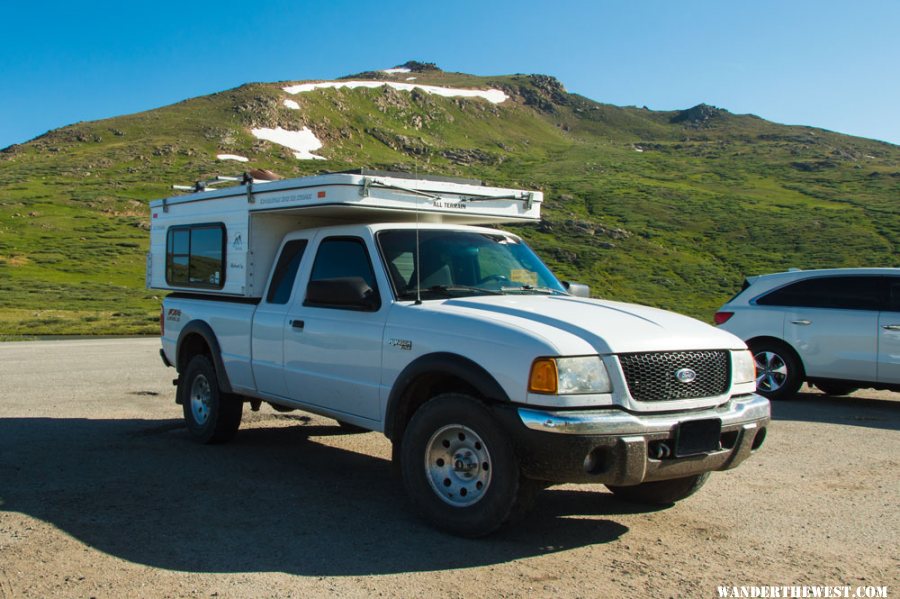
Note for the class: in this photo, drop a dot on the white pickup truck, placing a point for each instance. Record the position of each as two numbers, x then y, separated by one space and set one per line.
370 298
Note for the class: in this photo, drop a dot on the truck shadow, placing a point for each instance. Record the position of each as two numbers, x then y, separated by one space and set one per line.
856 410
275 499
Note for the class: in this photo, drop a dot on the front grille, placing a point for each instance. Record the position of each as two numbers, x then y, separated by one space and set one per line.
651 376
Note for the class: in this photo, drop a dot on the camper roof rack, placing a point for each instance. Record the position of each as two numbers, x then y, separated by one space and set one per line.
199 186
367 172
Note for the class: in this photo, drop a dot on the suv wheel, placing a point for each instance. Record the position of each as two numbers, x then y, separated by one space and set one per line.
835 388
779 373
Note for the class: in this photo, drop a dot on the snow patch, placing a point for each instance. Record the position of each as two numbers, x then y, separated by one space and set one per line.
410 78
303 142
232 157
396 70
292 104
491 95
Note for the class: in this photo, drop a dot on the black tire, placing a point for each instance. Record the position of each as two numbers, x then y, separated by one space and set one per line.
779 372
459 469
211 415
661 492
836 389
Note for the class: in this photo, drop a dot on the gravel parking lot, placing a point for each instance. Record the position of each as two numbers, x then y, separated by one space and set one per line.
103 494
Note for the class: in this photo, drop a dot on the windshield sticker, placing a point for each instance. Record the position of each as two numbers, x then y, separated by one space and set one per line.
525 277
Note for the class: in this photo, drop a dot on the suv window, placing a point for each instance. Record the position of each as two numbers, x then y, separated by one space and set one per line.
195 256
893 288
286 271
847 293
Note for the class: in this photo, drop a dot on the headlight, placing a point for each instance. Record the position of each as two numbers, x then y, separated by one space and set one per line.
744 367
569 376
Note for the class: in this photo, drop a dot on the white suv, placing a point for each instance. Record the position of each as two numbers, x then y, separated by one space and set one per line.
838 329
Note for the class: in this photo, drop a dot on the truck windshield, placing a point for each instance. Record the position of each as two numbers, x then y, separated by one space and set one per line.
455 263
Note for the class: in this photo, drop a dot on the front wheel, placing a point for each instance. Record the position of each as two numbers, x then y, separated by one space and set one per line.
211 415
661 492
459 469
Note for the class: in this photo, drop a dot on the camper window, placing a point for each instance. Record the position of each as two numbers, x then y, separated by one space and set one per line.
195 256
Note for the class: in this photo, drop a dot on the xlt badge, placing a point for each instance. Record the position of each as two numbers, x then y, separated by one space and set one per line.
401 344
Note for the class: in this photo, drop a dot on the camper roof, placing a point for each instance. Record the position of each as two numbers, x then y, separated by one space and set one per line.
378 194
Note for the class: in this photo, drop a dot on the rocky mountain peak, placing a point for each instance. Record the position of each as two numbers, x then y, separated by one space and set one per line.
698 116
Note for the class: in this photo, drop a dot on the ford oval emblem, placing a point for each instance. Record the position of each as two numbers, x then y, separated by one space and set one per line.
685 375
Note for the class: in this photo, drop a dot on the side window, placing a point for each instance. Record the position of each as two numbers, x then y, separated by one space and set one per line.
893 288
195 256
847 293
286 271
339 261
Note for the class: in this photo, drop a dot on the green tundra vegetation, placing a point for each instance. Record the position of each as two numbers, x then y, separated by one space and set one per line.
670 209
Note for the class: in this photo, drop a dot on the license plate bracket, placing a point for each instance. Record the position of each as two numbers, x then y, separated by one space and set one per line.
696 437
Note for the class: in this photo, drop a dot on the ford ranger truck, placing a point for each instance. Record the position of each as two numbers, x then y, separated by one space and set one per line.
489 377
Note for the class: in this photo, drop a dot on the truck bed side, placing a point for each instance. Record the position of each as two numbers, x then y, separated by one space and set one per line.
231 321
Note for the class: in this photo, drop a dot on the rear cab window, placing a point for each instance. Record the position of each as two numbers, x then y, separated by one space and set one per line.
286 271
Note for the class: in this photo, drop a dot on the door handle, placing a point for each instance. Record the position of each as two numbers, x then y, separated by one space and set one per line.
801 322
891 327
297 324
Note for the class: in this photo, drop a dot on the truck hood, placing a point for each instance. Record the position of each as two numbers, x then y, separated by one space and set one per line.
576 326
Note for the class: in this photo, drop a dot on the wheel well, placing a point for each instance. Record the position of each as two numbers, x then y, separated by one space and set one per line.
782 343
192 345
423 388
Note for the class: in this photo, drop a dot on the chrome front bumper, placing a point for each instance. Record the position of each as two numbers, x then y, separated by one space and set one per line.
615 447
618 422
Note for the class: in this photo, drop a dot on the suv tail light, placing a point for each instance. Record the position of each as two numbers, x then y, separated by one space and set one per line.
162 322
722 317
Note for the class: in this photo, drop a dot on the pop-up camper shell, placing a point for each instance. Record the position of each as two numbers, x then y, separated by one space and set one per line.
223 241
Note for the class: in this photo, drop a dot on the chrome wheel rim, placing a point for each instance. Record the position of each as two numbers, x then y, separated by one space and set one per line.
458 465
771 371
200 399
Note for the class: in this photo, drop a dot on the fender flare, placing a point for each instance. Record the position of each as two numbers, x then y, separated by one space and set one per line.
440 363
201 328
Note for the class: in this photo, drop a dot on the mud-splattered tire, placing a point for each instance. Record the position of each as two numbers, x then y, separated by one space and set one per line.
211 415
459 469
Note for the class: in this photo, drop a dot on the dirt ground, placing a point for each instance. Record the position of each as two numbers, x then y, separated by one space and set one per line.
103 494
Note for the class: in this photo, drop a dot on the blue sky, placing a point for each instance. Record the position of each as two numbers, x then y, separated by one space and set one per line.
829 64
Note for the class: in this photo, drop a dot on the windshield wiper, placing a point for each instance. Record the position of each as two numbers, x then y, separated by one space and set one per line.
450 291
531 289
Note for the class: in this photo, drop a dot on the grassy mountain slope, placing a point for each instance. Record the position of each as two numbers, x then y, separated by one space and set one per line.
666 208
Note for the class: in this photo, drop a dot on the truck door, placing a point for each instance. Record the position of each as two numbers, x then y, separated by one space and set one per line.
270 318
332 350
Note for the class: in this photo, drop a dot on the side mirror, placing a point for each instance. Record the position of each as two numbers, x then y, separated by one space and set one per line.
347 293
577 289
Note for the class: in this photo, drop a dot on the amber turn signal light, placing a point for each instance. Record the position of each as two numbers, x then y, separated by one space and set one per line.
544 376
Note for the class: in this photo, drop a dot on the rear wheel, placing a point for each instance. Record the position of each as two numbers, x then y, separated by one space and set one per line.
459 469
835 388
779 373
661 492
211 415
